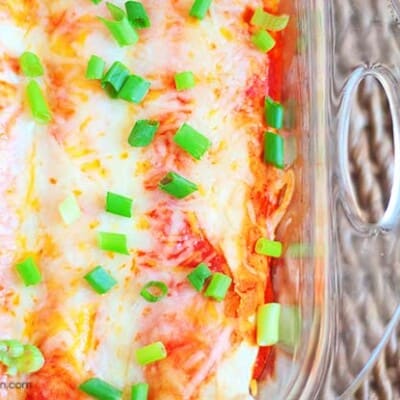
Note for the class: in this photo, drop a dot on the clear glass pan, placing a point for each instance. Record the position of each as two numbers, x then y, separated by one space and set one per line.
340 273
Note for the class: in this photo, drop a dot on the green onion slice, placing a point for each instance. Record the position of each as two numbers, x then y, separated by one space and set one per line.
20 358
29 272
268 21
263 41
268 316
120 27
114 242
192 141
134 89
100 389
151 353
140 391
96 1
100 280
37 103
115 78
69 210
118 204
267 247
143 132
177 186
273 113
199 276
95 67
218 286
150 288
184 80
31 65
200 8
274 149
137 14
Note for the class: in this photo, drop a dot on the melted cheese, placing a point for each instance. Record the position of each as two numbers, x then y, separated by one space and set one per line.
84 151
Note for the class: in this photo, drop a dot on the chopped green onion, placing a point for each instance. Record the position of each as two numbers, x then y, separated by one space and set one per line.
140 391
289 326
267 247
199 8
20 358
274 149
137 15
142 134
218 286
121 29
31 65
177 186
273 113
199 276
115 78
192 141
154 286
37 103
151 353
31 361
268 21
29 272
184 80
134 89
95 68
115 242
268 324
119 205
96 1
69 210
100 389
263 41
100 280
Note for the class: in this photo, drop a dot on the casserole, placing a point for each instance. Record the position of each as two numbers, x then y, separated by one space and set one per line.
304 283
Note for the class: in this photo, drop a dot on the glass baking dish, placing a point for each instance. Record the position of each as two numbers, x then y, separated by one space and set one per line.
339 277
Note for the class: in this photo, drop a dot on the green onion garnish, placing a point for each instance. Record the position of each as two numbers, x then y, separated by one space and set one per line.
184 80
267 247
274 149
263 41
177 186
137 15
20 358
218 286
199 8
95 68
134 89
31 65
29 272
273 113
268 21
268 324
142 134
100 389
140 391
199 276
115 78
154 286
96 1
114 242
121 29
151 353
100 280
69 210
192 141
118 204
37 103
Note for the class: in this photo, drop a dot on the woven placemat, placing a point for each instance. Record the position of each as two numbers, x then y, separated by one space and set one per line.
366 31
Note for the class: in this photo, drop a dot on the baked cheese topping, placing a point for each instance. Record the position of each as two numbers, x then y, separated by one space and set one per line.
84 151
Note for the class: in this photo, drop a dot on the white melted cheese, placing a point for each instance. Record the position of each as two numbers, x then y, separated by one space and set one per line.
85 151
